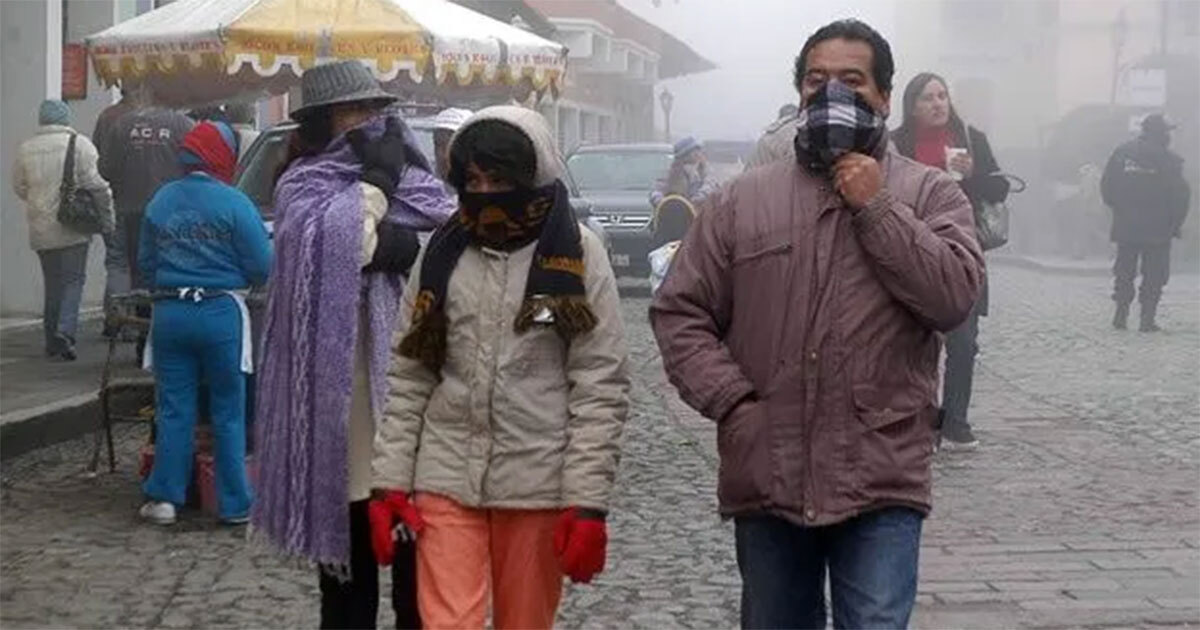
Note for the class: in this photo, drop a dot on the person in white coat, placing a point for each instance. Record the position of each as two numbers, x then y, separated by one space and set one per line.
37 177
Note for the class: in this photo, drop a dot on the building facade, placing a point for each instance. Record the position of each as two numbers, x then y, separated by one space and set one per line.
615 61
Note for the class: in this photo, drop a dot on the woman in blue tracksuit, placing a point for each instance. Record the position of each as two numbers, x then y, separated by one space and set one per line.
202 245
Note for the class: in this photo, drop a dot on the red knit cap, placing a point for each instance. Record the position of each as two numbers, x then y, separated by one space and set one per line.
211 147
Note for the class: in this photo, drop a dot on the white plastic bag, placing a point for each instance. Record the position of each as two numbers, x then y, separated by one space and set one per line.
660 262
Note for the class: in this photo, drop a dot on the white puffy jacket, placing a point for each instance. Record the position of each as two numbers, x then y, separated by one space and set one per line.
37 175
514 420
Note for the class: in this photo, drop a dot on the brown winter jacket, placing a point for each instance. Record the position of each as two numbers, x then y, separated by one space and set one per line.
810 333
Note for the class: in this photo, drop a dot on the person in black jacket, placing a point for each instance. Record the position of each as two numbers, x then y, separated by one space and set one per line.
1143 184
932 133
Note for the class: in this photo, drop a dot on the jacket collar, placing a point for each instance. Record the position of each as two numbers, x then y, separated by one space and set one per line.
50 129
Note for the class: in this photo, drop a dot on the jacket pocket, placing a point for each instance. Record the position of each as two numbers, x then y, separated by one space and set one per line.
760 248
759 262
539 352
449 403
744 466
895 442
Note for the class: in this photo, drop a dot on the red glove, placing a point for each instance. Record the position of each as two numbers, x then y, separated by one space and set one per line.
385 511
581 541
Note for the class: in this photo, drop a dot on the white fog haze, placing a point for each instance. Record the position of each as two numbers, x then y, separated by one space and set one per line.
1055 84
753 43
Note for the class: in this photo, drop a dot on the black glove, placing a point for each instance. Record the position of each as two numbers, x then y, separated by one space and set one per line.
384 159
395 251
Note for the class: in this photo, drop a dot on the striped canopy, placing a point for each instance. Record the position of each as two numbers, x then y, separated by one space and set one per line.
198 51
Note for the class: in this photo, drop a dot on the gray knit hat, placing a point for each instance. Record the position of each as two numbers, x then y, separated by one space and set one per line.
339 82
54 112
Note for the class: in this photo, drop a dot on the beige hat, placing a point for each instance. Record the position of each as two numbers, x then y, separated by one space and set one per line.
451 119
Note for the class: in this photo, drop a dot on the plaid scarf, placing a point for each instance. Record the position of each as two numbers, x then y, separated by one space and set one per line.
554 290
836 121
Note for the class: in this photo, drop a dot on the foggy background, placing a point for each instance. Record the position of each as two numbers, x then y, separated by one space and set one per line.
754 44
1055 84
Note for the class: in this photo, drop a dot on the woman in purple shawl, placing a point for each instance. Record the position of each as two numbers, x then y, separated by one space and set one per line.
348 209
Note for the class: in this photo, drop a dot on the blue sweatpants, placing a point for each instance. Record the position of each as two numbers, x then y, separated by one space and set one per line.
194 341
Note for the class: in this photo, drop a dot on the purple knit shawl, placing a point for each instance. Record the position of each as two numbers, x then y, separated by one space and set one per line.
316 291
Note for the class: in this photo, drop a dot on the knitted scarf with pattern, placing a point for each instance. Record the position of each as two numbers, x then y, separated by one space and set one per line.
554 289
318 296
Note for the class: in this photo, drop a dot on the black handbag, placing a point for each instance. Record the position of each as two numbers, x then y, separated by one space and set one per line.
992 217
77 208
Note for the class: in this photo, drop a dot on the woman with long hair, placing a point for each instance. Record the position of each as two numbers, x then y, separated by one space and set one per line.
933 133
347 211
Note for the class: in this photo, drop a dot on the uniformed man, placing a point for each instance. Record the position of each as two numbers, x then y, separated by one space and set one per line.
1143 184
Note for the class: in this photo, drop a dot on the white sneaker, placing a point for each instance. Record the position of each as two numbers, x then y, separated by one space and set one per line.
158 512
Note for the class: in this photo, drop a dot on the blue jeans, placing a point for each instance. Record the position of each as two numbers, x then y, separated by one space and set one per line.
194 341
64 271
962 345
871 561
116 263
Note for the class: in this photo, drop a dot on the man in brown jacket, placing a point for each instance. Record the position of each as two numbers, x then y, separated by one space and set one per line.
802 314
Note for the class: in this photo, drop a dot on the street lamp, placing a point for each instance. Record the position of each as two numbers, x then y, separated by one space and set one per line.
666 99
1120 31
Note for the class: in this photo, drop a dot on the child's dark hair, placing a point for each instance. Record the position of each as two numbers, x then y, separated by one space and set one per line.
497 148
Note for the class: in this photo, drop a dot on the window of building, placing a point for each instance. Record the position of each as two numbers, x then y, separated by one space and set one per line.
1188 13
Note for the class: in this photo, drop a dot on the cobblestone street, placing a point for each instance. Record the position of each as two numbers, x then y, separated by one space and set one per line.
1079 509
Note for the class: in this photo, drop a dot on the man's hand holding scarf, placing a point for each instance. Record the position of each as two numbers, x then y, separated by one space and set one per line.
840 134
857 178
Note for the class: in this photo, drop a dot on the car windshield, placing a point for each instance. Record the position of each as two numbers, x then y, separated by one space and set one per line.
262 164
618 170
258 177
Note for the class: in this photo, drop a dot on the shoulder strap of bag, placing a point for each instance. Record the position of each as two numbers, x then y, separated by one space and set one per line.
69 163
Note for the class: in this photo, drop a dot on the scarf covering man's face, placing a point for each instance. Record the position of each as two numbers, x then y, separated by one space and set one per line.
836 120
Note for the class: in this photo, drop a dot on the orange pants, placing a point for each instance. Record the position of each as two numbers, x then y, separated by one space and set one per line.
462 550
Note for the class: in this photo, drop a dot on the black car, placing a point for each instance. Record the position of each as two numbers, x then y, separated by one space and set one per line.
616 180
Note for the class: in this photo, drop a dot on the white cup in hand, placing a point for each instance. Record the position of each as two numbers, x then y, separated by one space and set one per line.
951 153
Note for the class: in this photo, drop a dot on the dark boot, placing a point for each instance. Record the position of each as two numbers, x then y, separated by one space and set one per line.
1149 310
1121 317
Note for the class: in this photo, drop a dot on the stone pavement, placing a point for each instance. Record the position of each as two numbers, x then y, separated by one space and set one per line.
1079 510
29 380
44 401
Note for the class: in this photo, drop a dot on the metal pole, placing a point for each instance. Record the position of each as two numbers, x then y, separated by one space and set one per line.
1120 27
667 100
1162 27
